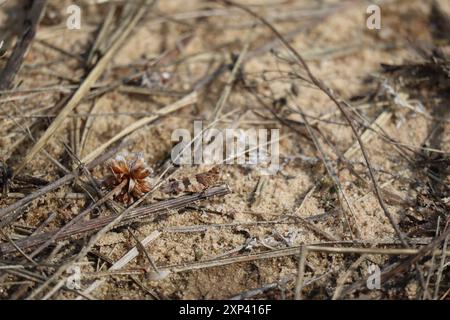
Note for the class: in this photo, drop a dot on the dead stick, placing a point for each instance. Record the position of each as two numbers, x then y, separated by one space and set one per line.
403 266
285 252
15 61
136 214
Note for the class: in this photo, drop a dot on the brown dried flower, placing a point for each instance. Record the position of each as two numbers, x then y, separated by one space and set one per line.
132 173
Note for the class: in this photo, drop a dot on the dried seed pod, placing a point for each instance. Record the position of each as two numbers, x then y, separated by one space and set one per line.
133 170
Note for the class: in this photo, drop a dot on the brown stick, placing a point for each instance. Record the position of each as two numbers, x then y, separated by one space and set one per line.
30 23
96 224
403 266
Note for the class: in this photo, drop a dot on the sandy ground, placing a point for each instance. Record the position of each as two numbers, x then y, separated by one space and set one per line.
340 51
